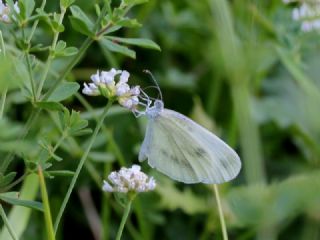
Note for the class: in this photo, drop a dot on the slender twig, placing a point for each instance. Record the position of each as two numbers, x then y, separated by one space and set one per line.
7 223
46 206
124 219
4 94
222 222
80 165
35 24
51 56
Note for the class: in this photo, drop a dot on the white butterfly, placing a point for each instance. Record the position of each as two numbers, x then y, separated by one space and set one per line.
183 150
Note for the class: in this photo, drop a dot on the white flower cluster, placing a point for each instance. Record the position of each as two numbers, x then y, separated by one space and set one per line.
308 13
105 83
5 12
129 180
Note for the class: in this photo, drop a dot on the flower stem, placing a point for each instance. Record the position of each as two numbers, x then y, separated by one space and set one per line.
124 219
222 222
46 206
80 165
4 93
6 222
50 57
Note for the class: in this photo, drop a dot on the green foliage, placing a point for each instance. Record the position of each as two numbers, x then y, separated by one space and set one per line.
13 198
81 22
244 69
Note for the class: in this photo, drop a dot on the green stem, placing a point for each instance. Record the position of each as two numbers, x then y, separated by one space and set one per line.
4 94
80 165
46 206
105 208
249 135
66 71
112 142
7 223
3 101
50 57
222 222
124 219
85 45
35 24
29 67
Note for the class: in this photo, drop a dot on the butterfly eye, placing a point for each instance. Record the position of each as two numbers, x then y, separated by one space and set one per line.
158 104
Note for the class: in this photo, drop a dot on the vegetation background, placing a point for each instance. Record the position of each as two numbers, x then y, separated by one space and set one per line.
243 69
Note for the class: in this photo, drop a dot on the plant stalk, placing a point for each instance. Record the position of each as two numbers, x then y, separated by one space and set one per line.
80 165
7 223
221 217
46 206
124 219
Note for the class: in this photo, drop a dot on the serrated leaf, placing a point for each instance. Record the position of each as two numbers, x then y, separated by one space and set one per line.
64 91
141 42
12 198
54 106
114 47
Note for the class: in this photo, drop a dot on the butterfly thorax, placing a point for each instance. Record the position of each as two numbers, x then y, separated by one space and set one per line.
155 110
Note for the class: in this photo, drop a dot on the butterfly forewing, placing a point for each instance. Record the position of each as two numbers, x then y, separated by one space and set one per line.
185 151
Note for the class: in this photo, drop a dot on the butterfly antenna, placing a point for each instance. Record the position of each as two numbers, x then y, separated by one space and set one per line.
155 81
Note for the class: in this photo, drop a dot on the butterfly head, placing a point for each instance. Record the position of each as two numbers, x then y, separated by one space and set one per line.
155 110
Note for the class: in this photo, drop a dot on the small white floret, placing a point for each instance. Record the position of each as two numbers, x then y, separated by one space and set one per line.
129 180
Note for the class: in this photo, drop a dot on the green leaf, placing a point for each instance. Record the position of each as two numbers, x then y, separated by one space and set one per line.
69 51
5 180
134 2
172 198
114 47
101 157
57 27
66 3
10 75
130 23
54 106
80 21
19 216
12 198
16 146
28 6
75 124
141 42
60 46
64 91
277 203
63 173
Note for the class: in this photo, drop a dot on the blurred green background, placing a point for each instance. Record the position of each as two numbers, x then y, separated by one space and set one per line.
243 69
